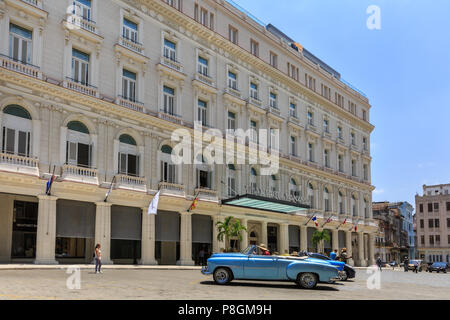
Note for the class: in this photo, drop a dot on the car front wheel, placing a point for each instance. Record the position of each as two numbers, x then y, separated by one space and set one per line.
307 280
344 276
222 276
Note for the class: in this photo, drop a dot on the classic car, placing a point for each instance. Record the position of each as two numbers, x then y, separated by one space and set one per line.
421 265
250 265
438 267
347 271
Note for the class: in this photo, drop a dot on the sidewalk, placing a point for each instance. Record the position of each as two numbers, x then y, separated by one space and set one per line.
91 266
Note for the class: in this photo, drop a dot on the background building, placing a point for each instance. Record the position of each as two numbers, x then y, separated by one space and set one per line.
92 91
395 238
433 223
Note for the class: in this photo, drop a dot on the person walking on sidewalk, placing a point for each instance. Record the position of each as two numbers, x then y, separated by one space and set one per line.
406 264
379 263
98 258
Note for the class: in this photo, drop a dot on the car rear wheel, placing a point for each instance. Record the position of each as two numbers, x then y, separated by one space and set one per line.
222 276
307 280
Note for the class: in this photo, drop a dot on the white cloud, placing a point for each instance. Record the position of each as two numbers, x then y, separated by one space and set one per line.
378 191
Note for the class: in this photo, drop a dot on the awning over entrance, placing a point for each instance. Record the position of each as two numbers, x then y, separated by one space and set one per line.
266 204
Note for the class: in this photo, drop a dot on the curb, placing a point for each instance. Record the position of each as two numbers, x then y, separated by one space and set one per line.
104 267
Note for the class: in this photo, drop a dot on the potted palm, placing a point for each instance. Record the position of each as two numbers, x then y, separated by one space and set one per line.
228 229
318 239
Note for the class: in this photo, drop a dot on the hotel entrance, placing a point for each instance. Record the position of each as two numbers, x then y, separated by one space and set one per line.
24 231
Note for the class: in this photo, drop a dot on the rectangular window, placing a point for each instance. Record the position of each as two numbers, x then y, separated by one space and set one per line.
326 157
364 115
20 41
203 66
82 8
168 172
436 223
170 50
232 80
351 106
341 163
16 142
253 131
431 240
204 179
365 143
448 222
326 92
354 168
436 207
422 224
129 85
130 30
366 172
293 148
80 67
273 100
204 17
254 48
340 132
448 206
231 121
339 99
129 164
326 126
293 110
310 118
310 82
422 240
353 138
430 223
430 207
233 34
273 60
202 108
168 100
310 152
254 91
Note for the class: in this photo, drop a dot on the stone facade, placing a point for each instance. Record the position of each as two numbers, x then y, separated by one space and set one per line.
433 223
67 107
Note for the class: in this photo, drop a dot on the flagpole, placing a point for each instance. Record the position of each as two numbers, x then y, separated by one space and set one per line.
51 181
195 198
312 216
110 189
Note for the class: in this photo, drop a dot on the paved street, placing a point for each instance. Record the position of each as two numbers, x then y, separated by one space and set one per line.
191 285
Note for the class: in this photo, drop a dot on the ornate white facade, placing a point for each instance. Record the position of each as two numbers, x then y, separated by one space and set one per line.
95 93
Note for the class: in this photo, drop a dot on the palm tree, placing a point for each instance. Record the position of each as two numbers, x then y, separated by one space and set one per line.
318 239
229 228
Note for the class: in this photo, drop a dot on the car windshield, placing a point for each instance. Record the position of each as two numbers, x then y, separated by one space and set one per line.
319 256
249 250
438 264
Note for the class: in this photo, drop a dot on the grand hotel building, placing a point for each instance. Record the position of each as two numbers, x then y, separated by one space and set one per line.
91 91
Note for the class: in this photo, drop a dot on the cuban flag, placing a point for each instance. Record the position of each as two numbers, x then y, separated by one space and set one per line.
315 221
345 221
356 228
49 184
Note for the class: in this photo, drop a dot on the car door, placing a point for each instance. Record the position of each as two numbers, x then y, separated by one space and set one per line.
261 267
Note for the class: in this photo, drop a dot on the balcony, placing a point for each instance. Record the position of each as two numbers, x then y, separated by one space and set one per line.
205 79
171 189
132 45
28 7
86 89
205 194
19 164
131 183
234 92
35 3
76 22
79 174
20 67
129 104
172 117
172 64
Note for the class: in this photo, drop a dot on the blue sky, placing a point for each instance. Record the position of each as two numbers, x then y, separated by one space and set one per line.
404 69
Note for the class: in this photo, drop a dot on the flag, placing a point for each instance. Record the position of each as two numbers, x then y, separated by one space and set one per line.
345 221
49 184
356 228
194 204
329 220
153 207
315 221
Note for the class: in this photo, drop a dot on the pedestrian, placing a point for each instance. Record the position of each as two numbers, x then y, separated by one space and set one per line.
406 264
379 263
416 266
344 257
98 258
333 255
201 256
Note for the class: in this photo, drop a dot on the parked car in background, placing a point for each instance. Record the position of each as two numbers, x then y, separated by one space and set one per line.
393 264
348 270
249 264
438 267
421 265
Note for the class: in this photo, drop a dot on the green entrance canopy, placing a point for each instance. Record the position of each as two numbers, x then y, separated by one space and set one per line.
266 204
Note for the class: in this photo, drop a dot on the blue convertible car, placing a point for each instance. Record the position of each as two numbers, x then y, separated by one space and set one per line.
249 265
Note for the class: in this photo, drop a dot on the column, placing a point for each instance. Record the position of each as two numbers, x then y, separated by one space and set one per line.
303 238
103 230
348 245
284 238
217 245
148 238
244 234
335 240
361 249
371 249
264 233
46 231
186 240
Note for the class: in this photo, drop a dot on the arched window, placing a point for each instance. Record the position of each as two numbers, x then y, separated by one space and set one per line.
354 207
16 131
326 199
341 202
311 195
129 159
204 173
293 189
253 180
79 145
168 170
231 180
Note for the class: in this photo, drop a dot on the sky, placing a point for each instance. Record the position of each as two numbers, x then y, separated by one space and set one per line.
403 68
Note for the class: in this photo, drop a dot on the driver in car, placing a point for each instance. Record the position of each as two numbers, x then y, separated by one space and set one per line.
263 251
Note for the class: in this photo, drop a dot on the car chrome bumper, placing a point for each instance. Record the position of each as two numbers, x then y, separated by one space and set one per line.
205 271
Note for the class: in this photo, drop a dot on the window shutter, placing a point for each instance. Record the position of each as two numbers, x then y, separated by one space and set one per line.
90 156
28 143
138 158
119 163
3 139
